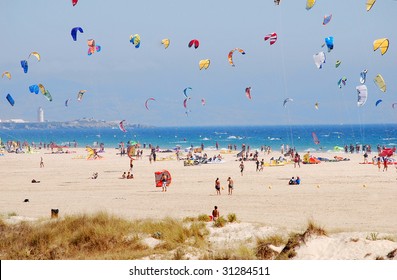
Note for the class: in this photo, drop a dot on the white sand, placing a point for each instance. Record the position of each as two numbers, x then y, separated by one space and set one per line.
350 200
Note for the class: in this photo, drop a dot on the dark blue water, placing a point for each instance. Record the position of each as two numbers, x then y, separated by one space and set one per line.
254 136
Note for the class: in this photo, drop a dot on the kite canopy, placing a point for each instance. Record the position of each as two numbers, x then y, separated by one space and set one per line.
74 32
230 55
74 2
147 100
377 102
337 63
194 43
310 4
329 41
382 44
135 40
362 95
7 74
165 42
272 37
319 59
35 54
121 126
159 174
34 89
185 102
380 82
204 64
10 99
80 94
316 105
24 65
286 101
185 91
203 101
92 47
327 19
342 81
394 105
248 92
277 2
369 4
363 76
67 102
315 138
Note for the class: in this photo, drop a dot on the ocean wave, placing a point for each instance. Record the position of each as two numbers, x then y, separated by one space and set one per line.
392 144
274 138
388 139
234 137
216 132
206 139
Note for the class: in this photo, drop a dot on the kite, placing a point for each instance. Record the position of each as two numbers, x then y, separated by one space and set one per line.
67 102
205 63
230 55
369 4
92 47
327 19
135 40
248 92
35 54
394 105
185 102
338 62
24 65
377 102
74 32
380 82
165 42
315 138
277 2
329 41
342 81
74 2
185 91
80 94
121 126
363 76
147 100
383 44
362 95
34 89
194 43
45 92
316 105
272 37
203 101
7 74
10 99
286 101
310 4
319 59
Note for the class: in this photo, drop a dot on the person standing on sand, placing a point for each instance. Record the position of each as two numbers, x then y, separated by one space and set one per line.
384 163
218 186
41 162
378 162
297 160
164 178
230 185
241 168
215 214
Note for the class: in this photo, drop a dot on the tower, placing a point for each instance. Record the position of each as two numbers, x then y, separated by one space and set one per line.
40 115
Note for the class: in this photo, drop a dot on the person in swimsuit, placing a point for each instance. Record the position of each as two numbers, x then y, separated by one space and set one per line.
215 214
164 182
218 186
230 185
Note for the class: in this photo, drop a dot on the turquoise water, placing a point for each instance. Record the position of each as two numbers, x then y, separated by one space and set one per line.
299 137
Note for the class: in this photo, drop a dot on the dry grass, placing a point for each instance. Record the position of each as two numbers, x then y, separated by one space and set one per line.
232 218
98 236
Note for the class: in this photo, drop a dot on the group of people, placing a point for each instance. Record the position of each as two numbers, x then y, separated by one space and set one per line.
294 181
230 184
127 175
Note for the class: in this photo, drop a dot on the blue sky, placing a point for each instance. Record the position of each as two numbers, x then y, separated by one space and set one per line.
120 78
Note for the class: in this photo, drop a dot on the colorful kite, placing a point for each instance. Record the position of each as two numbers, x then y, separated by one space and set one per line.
248 92
74 2
135 40
204 64
147 100
380 82
35 54
121 126
382 44
80 94
363 76
272 37
230 55
194 43
7 74
337 63
74 32
92 48
327 19
203 101
342 81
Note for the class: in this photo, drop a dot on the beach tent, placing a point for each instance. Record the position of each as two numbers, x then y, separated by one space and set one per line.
157 178
388 152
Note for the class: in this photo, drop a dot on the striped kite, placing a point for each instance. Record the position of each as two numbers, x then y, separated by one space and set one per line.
272 37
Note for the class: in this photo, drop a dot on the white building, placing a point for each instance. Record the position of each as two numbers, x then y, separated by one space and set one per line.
40 115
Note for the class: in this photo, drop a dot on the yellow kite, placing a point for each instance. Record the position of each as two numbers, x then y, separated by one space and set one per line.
380 82
369 4
205 63
383 44
36 54
310 4
165 42
7 74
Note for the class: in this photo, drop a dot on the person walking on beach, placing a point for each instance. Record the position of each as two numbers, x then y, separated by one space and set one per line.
164 178
218 186
41 162
215 214
297 160
241 168
257 164
365 157
384 163
378 162
230 185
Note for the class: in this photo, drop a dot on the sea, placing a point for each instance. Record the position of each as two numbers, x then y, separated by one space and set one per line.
302 137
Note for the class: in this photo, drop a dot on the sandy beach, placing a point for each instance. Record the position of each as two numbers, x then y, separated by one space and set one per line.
340 196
